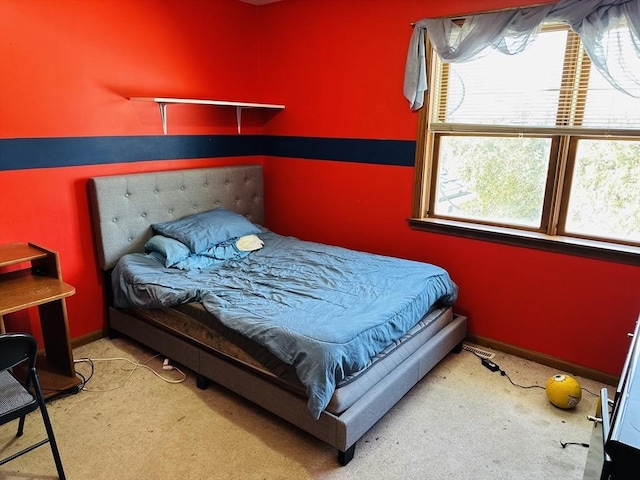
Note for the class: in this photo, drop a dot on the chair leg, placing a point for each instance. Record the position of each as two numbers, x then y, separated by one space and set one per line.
48 428
21 426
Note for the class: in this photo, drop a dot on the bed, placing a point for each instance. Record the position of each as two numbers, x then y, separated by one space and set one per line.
264 327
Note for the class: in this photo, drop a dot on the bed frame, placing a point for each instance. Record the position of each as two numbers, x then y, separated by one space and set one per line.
123 209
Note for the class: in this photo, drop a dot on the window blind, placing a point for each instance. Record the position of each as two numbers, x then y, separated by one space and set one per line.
551 85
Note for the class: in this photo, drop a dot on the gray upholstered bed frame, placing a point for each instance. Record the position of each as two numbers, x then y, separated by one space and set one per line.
125 206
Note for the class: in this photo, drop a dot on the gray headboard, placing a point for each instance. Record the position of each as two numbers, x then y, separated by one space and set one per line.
125 206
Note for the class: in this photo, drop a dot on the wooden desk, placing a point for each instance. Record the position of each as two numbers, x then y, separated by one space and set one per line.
30 277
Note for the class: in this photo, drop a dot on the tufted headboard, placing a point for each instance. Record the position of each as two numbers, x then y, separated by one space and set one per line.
125 206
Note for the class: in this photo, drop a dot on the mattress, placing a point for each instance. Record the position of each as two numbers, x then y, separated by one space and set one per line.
192 321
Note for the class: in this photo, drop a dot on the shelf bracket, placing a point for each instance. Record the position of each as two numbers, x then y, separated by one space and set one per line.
239 117
163 116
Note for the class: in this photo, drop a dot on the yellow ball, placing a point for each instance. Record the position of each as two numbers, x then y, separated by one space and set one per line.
563 391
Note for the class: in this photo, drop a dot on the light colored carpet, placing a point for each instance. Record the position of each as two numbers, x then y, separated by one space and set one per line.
460 422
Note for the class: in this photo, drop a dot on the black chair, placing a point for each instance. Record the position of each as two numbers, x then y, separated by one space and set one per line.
16 399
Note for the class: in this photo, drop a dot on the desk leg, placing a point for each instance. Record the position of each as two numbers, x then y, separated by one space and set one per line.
55 332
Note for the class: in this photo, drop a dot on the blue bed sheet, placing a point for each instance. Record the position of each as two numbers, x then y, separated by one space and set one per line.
325 310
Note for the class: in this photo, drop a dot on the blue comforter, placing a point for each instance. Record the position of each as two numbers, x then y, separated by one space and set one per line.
325 310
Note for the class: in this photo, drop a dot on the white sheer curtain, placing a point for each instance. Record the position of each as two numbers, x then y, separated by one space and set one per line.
596 21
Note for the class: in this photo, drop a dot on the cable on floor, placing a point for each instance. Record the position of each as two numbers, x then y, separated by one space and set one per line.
581 444
136 366
494 367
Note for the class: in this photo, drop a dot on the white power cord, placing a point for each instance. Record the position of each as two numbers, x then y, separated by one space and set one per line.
165 366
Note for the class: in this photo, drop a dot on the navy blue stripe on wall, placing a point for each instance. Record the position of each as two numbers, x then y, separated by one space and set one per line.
22 153
25 153
379 152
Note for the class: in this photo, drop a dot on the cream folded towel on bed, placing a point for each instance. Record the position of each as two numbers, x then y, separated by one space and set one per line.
249 243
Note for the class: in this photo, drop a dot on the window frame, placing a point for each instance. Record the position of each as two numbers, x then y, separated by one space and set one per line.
551 235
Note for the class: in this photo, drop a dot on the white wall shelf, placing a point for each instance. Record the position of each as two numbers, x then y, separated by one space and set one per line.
239 106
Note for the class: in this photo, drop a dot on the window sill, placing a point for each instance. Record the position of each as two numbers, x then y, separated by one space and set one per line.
567 245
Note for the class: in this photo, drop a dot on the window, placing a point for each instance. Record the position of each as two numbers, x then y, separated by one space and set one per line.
536 149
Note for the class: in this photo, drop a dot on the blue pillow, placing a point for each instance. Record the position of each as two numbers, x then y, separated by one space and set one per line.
172 250
206 229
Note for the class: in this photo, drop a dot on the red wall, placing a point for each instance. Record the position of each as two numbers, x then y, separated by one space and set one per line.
69 65
66 68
